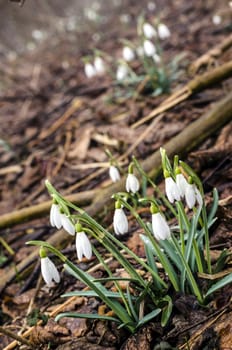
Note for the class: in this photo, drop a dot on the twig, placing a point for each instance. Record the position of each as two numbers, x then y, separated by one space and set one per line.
15 336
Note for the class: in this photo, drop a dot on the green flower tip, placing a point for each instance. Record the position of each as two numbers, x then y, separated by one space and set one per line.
78 227
118 205
177 170
42 253
130 168
153 209
190 180
166 173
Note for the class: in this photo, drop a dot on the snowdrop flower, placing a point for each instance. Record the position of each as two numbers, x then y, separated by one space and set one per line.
67 224
83 245
149 31
156 58
132 183
120 222
163 31
90 70
217 20
149 48
140 51
114 173
181 183
55 216
99 65
122 72
160 227
171 188
128 54
192 195
48 269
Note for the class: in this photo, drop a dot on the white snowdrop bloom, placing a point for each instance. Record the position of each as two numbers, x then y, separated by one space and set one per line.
217 20
172 190
49 271
156 58
120 222
128 54
149 31
149 48
55 216
230 4
160 227
122 72
181 183
151 6
163 31
99 65
67 224
114 173
132 183
90 70
83 246
192 195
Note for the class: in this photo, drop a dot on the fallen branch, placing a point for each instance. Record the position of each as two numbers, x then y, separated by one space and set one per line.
196 85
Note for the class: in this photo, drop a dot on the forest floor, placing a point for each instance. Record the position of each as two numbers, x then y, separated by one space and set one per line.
56 124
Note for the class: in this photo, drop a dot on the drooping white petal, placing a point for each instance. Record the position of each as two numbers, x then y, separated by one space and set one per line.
67 224
190 195
99 65
114 173
120 222
122 72
55 216
172 191
128 54
149 48
181 183
198 197
89 70
132 183
160 227
149 31
163 31
83 246
49 271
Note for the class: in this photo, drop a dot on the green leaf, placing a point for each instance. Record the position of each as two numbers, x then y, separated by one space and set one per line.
223 282
149 317
91 293
214 207
167 310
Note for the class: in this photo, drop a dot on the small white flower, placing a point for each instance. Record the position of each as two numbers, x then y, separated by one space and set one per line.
156 58
181 184
163 31
128 54
49 271
99 65
132 183
192 195
122 72
217 20
114 173
160 227
140 51
172 190
120 222
151 6
67 225
149 48
55 216
83 246
149 31
90 71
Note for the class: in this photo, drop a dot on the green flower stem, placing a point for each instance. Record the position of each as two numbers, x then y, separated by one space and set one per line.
207 245
156 188
115 306
198 256
163 259
191 279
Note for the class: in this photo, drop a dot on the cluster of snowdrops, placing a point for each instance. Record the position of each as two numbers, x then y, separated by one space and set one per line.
176 236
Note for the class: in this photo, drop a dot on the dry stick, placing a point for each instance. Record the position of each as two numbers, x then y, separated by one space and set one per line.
213 53
18 338
196 85
181 144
